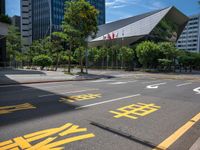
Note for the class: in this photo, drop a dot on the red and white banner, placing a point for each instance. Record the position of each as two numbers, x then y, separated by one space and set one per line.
110 36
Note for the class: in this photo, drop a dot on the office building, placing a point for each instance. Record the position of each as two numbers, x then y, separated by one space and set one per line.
190 37
41 17
16 21
161 25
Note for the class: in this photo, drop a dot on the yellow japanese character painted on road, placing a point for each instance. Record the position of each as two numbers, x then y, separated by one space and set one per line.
80 97
135 110
52 139
10 109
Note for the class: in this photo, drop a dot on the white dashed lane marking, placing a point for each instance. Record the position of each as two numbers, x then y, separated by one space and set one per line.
183 84
122 82
108 101
99 81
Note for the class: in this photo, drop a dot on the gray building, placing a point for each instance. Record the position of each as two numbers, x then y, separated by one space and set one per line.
41 17
160 25
190 37
16 21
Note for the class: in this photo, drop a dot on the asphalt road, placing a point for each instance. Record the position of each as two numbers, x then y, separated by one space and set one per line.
124 113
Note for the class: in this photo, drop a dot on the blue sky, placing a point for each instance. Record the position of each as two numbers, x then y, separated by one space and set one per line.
118 9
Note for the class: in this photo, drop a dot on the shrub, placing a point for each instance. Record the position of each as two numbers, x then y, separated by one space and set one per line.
148 54
42 61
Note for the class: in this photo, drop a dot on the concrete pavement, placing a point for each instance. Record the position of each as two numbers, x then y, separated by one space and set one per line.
118 113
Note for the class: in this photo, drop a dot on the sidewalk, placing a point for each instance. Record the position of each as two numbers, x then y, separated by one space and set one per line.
196 145
9 77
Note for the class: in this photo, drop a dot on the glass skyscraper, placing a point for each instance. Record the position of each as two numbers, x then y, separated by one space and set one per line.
46 16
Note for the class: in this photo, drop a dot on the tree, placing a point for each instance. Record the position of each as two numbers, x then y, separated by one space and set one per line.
13 43
165 63
169 52
148 54
126 56
42 61
81 17
38 47
102 55
79 54
55 49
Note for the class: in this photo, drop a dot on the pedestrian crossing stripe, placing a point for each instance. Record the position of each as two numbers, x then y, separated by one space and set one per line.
80 98
13 108
135 110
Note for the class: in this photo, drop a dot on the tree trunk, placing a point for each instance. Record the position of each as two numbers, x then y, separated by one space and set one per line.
81 61
69 60
57 61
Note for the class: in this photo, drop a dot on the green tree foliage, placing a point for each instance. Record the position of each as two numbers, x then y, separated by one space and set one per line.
5 19
126 56
165 64
13 43
42 61
169 52
80 22
79 55
82 16
166 30
148 54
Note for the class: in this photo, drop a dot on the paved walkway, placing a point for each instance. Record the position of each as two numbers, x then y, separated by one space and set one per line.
32 76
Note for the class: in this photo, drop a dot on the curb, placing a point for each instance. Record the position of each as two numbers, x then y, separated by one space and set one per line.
196 145
48 81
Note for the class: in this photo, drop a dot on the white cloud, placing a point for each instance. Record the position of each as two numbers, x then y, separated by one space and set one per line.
149 4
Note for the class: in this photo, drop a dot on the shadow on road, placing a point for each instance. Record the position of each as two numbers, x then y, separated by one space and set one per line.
20 103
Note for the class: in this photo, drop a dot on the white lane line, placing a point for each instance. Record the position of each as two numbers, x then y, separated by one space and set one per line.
68 92
188 83
117 83
155 86
108 101
31 88
98 81
197 90
122 82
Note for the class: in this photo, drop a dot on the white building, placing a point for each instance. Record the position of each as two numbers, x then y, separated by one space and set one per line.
190 37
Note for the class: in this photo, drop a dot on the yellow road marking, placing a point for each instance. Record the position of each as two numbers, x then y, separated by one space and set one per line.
53 138
80 97
10 109
134 110
178 133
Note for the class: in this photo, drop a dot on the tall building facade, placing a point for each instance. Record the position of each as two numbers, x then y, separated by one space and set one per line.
2 6
41 17
26 22
190 37
16 21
